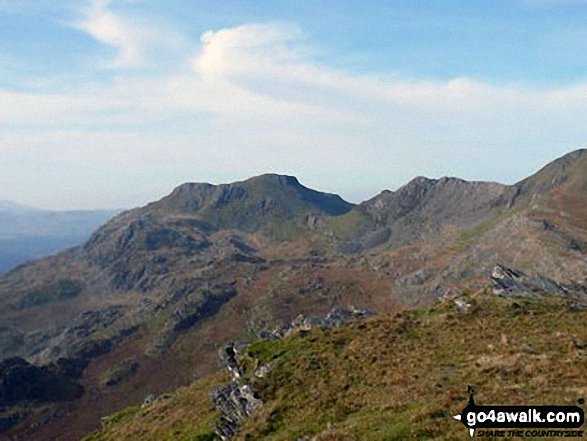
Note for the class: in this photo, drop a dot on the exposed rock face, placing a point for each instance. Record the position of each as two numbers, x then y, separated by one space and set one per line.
247 205
552 176
424 206
121 373
237 400
337 316
59 290
444 199
461 305
186 315
235 403
229 356
509 283
87 337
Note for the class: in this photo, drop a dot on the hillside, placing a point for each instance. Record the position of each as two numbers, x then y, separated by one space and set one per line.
145 304
393 377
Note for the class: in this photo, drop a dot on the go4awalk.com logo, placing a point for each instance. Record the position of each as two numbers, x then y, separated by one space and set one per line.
522 421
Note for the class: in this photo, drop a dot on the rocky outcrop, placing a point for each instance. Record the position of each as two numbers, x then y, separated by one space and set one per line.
121 373
237 400
337 316
512 283
206 305
59 290
91 334
424 206
508 282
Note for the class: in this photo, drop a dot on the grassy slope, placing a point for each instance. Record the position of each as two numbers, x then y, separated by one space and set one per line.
186 414
396 376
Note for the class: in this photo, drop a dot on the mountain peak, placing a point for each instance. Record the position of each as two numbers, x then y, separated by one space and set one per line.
565 163
569 170
423 181
575 155
251 203
267 180
275 179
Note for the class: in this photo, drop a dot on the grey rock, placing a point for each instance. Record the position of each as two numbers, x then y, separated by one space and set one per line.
336 317
462 306
511 283
148 401
262 371
235 403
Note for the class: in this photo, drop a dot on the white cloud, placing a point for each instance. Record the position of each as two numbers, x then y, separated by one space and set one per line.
132 38
263 72
254 99
270 61
248 48
107 28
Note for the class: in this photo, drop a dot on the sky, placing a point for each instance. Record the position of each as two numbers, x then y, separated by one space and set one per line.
113 103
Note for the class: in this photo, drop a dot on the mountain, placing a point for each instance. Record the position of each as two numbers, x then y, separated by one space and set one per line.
13 207
253 203
143 306
27 233
422 208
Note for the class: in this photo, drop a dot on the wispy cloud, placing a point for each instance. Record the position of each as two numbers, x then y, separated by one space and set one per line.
107 28
134 39
263 71
253 98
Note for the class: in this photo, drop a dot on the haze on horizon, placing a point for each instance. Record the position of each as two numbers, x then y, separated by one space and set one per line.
113 103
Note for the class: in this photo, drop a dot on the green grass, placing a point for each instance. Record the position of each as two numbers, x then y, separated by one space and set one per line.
349 226
395 377
122 416
185 415
402 377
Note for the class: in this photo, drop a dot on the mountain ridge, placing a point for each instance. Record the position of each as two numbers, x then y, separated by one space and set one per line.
209 263
14 207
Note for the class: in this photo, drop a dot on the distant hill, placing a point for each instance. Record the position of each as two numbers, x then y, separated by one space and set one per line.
143 305
13 207
28 233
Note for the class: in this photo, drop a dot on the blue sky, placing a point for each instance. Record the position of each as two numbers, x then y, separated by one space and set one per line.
114 103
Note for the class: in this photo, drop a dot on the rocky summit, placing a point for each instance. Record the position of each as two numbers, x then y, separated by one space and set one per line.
143 307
